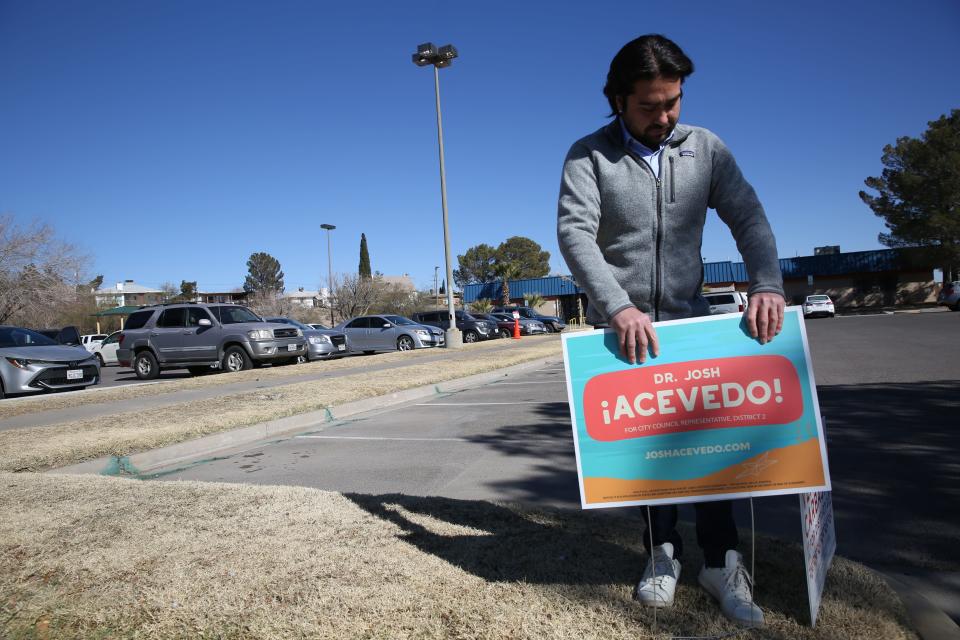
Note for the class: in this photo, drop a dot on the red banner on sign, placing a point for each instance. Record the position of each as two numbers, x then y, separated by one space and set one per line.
718 393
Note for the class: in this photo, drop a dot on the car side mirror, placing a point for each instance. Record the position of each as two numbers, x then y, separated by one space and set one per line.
203 322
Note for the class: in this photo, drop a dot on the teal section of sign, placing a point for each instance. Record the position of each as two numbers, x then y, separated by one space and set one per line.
593 354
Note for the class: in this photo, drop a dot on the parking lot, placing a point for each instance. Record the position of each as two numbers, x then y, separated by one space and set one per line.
888 388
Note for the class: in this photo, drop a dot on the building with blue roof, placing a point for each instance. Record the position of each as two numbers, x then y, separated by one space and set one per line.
856 280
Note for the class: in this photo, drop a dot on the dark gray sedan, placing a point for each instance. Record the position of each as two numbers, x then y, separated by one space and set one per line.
322 344
31 362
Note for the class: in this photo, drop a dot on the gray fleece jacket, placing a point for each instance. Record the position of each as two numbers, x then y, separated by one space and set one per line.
631 238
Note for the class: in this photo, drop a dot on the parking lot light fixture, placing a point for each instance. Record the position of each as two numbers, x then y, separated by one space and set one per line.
329 228
430 54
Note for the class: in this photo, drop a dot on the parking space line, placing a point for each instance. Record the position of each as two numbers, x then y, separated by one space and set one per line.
381 438
528 382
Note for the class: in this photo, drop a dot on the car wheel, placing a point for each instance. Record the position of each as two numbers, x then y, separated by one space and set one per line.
405 343
469 337
236 359
145 366
2 394
505 334
100 360
550 328
302 359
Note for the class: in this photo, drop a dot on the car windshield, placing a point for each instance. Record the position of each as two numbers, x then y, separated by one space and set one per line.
17 337
818 298
399 320
236 315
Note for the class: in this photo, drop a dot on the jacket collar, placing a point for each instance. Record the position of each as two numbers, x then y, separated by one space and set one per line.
613 131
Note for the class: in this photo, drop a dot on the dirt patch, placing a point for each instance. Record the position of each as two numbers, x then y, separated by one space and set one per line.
38 448
94 557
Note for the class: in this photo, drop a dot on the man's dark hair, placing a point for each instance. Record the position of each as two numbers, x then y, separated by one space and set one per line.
645 58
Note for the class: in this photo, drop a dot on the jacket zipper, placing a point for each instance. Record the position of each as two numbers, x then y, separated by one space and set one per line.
657 285
673 181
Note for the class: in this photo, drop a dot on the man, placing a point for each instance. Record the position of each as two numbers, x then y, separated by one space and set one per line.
633 201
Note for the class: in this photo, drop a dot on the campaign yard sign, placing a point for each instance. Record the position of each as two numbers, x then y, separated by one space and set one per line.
819 544
717 415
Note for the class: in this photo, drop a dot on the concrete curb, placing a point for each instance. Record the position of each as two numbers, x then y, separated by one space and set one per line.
929 621
181 453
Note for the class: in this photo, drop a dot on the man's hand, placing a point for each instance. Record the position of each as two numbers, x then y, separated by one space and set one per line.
636 334
765 316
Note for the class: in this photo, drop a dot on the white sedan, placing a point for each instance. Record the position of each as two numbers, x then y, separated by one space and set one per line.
818 305
106 351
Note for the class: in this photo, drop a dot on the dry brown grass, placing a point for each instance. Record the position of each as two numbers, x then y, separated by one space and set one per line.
37 403
94 557
38 448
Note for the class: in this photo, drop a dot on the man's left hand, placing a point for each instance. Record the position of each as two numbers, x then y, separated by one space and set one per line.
765 316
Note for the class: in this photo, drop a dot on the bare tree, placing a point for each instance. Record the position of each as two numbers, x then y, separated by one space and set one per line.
269 303
354 295
39 274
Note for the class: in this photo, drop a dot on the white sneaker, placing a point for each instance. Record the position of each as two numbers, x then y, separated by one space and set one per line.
659 581
732 587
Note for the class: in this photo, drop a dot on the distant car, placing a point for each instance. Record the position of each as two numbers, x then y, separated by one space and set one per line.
528 326
89 340
950 296
552 323
726 302
31 362
818 305
369 334
202 337
106 350
322 344
473 329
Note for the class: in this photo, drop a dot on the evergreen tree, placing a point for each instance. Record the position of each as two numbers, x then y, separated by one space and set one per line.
919 192
264 274
364 269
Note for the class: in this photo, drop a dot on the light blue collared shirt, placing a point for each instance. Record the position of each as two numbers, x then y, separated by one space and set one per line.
648 155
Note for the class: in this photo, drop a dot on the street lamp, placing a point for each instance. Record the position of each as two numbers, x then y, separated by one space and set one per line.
429 54
329 228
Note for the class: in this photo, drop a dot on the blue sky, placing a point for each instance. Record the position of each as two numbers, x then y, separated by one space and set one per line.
170 140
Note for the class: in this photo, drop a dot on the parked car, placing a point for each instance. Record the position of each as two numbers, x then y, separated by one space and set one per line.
106 350
321 327
89 340
473 329
32 362
369 334
950 296
322 344
726 302
818 305
198 337
552 323
528 327
67 335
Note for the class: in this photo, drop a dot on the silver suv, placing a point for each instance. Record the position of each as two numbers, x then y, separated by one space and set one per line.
201 337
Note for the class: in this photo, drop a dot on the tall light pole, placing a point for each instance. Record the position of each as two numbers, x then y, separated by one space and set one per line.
436 287
329 228
429 54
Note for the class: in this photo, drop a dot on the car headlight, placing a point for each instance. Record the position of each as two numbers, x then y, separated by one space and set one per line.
299 333
321 339
19 363
422 332
260 334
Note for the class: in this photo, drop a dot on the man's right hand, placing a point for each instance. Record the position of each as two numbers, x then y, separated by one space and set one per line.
636 334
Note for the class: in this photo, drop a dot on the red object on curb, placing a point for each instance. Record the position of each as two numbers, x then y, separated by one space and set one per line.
516 328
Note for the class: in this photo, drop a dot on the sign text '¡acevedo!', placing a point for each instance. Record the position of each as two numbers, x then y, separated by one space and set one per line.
689 396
